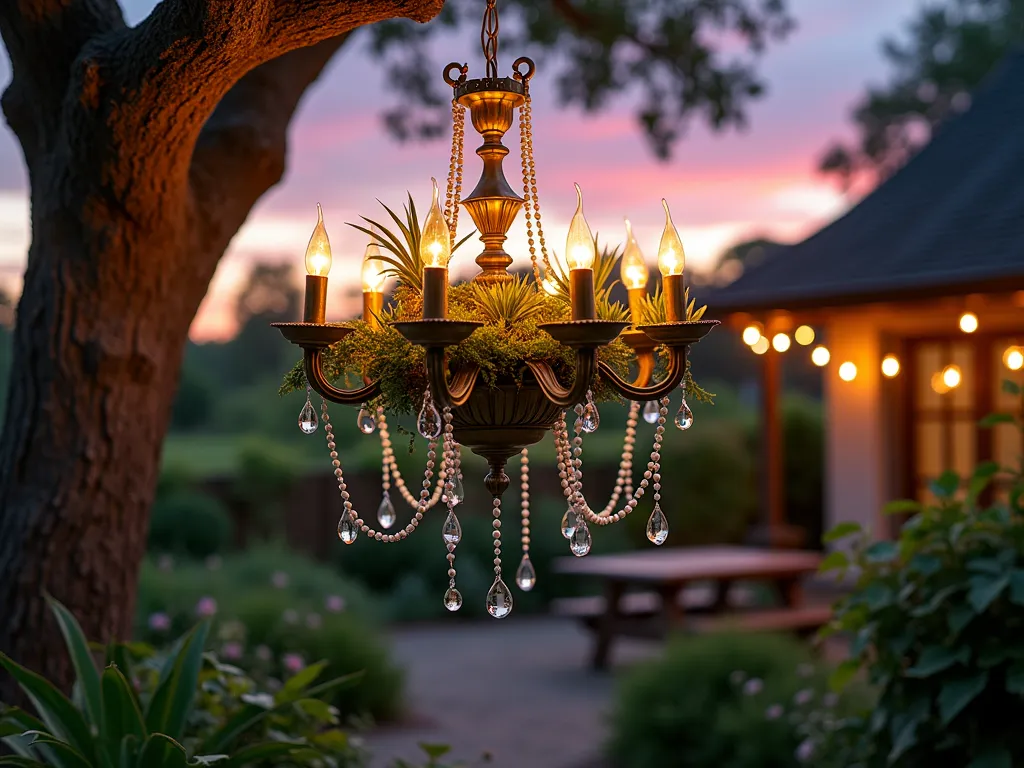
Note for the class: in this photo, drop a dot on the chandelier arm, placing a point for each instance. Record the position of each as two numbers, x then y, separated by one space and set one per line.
449 394
565 397
313 363
645 367
674 374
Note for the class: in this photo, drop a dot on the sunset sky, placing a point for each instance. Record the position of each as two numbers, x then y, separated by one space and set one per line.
722 188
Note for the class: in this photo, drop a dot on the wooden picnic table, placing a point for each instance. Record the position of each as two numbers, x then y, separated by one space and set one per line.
671 602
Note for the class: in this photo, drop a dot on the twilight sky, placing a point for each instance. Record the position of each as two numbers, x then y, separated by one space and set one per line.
722 188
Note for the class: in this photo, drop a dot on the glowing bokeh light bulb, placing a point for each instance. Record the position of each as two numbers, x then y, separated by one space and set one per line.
1013 358
318 252
751 334
760 346
847 371
373 266
633 270
804 335
671 257
435 240
780 342
968 322
580 248
951 376
890 366
820 356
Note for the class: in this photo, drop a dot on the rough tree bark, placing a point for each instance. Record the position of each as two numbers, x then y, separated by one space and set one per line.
146 149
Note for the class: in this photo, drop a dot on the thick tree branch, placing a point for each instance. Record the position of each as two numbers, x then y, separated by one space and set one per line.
242 148
43 38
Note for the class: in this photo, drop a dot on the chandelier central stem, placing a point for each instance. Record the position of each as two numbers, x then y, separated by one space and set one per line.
489 38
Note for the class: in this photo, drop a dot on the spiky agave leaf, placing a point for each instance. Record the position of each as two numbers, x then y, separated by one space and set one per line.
604 269
652 308
508 303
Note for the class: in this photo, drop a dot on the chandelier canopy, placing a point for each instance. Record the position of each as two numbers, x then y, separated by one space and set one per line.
495 363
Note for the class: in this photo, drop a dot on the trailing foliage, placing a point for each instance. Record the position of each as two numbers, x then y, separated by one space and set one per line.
936 619
186 708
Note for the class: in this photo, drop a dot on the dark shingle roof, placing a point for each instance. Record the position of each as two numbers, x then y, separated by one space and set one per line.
950 222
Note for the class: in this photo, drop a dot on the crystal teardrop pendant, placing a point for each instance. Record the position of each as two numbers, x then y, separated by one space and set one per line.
452 531
458 490
308 421
657 526
580 542
365 421
651 412
429 421
386 511
684 416
570 520
452 599
499 599
347 530
591 417
526 576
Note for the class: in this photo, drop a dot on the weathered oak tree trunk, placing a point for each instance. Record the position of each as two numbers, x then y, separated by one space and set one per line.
146 149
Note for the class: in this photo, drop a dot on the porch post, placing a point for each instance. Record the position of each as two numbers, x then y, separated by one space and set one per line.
773 486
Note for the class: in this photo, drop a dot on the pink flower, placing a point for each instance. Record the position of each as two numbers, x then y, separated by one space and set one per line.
774 712
753 686
279 579
293 662
335 603
803 697
805 751
206 607
159 622
231 651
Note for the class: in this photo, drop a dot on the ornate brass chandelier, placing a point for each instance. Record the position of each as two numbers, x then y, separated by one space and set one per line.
498 408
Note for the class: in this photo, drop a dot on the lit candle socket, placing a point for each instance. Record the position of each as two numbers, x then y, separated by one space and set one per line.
435 251
373 283
580 253
318 264
671 260
634 274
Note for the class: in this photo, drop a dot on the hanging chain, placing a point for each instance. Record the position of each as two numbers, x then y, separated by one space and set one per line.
531 204
489 38
454 191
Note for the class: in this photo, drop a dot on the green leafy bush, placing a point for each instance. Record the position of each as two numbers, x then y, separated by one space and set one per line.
717 700
189 523
185 708
937 619
274 612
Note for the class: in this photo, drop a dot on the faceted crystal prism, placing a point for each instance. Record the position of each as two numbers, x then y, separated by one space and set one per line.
458 490
347 530
308 421
651 412
452 531
429 421
386 511
365 421
684 417
452 599
591 417
499 599
580 542
657 526
526 576
570 520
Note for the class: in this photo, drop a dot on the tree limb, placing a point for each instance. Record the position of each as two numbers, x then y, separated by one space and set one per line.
43 39
241 151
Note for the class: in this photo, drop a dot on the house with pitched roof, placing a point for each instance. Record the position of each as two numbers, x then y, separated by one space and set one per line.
912 303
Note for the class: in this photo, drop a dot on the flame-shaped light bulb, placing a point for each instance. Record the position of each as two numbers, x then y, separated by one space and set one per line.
633 269
373 267
435 240
318 252
580 249
671 257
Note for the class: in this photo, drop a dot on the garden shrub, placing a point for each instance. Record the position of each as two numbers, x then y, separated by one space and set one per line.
264 479
189 523
719 700
937 618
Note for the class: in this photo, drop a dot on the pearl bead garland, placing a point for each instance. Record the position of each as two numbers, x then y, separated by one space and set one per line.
389 467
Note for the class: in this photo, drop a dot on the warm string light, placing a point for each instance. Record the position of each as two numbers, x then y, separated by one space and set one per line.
890 366
1013 358
968 322
847 371
820 356
804 335
751 335
951 376
780 342
760 346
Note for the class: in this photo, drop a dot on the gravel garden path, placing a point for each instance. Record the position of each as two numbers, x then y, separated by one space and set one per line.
516 691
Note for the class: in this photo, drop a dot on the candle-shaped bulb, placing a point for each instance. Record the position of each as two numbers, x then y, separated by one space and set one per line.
580 250
633 269
435 240
671 257
318 252
373 267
